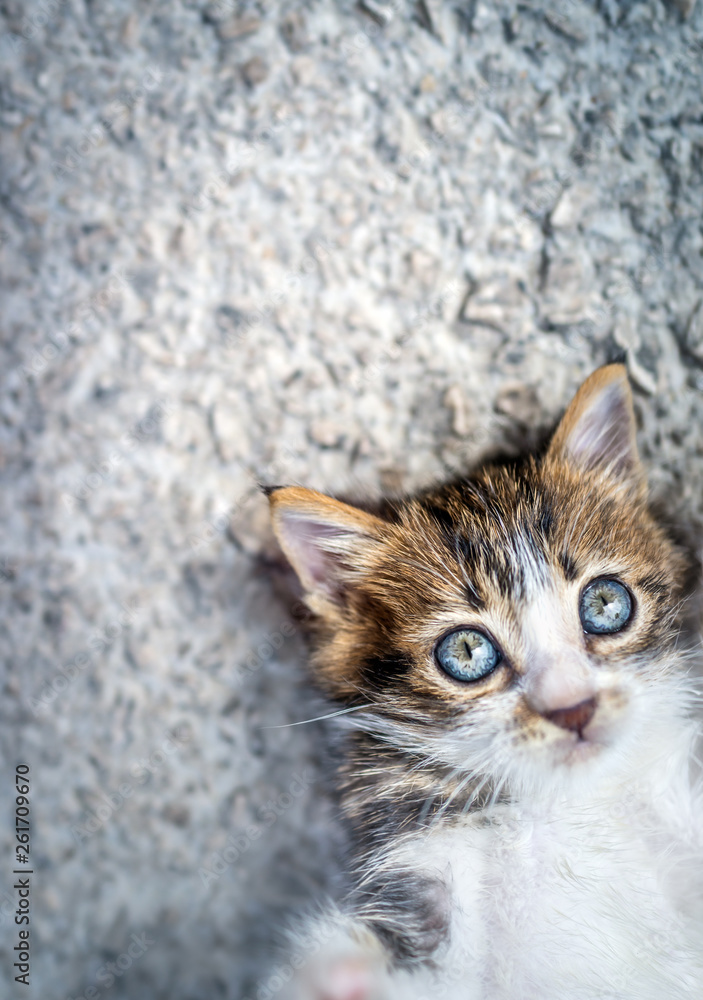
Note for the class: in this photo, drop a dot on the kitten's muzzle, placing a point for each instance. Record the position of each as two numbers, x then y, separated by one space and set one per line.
574 719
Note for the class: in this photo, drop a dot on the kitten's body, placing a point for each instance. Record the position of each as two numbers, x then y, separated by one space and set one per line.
576 899
534 834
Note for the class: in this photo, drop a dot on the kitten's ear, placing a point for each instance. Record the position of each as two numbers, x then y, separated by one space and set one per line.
597 431
325 540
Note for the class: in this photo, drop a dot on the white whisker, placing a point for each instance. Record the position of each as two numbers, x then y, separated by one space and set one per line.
319 718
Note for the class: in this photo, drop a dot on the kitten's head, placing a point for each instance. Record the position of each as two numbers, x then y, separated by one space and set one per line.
519 625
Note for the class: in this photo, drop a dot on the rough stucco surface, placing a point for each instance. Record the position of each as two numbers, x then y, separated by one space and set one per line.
282 242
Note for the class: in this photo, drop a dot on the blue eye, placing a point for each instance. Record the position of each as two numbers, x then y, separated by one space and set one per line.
467 655
606 607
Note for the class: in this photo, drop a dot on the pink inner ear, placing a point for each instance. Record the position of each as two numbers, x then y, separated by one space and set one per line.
603 435
315 565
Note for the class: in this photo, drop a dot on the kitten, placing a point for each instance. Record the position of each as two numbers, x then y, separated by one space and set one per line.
518 746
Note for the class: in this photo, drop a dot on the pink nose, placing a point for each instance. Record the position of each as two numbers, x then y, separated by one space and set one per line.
576 718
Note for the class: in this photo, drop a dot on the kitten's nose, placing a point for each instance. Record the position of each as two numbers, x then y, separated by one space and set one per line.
575 718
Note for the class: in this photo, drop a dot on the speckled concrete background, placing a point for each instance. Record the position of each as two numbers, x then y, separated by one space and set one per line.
351 246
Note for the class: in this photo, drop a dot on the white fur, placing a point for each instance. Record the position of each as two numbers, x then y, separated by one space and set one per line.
590 888
559 673
591 896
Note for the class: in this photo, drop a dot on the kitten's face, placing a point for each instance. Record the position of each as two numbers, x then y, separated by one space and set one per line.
519 626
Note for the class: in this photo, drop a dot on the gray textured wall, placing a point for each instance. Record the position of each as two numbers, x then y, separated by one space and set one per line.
279 241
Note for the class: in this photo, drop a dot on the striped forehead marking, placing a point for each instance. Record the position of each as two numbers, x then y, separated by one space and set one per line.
510 558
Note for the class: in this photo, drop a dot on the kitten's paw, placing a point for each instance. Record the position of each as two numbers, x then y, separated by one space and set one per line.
349 979
345 979
352 965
